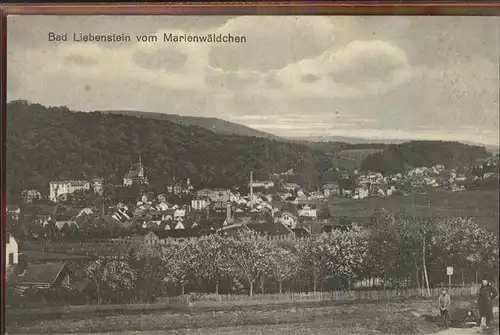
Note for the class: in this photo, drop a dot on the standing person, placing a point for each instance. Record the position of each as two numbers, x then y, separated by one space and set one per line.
484 299
444 302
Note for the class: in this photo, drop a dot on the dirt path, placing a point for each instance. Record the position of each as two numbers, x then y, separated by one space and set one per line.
460 331
468 331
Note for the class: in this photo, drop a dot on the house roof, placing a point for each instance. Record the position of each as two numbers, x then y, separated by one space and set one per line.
82 285
312 227
269 228
309 202
301 232
131 174
330 186
41 273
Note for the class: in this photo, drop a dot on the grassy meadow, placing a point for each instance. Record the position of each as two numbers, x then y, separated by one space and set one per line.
318 317
481 204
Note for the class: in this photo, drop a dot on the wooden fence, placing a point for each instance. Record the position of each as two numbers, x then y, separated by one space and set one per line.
469 290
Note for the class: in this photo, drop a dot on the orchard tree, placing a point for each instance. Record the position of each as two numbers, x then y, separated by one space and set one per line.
283 264
383 242
114 276
313 261
249 257
212 258
464 243
176 257
345 252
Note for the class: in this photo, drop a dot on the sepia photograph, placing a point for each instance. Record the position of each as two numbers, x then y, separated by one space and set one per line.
197 174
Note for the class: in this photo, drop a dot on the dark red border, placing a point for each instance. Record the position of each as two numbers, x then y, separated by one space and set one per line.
471 8
3 101
483 8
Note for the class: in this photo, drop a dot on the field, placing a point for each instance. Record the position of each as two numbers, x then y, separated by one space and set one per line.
47 250
35 256
417 316
480 204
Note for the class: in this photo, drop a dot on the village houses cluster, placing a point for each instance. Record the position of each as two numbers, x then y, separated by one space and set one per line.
273 207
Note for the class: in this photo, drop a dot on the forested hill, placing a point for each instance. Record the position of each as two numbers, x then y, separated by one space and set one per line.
398 157
51 143
216 125
54 143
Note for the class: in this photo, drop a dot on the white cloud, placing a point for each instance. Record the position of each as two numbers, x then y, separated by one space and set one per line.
293 73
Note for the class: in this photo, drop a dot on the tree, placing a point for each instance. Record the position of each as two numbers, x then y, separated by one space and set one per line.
283 264
312 260
111 276
383 242
345 252
213 259
248 254
465 244
176 258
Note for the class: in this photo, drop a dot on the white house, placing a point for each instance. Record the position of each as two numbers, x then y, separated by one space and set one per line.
331 189
291 186
200 203
30 195
97 185
179 214
360 193
61 189
264 184
308 210
11 251
286 219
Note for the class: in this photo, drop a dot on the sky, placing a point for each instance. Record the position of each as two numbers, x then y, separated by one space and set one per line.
379 77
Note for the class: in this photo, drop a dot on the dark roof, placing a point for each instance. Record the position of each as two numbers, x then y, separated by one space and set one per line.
313 227
132 174
301 232
249 215
41 273
82 285
308 202
268 228
286 207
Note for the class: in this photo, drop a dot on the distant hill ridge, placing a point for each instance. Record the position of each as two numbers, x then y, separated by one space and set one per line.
216 125
55 143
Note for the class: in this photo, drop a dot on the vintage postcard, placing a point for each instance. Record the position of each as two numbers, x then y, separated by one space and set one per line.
250 174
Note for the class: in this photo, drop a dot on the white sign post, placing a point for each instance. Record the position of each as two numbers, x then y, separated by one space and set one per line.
449 272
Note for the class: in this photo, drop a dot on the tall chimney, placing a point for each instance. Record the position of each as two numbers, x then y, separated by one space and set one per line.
251 186
228 212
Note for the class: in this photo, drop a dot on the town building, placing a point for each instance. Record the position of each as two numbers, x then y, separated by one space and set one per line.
97 185
331 189
263 184
200 203
179 187
291 186
136 175
59 190
44 276
307 210
13 212
29 195
216 195
11 251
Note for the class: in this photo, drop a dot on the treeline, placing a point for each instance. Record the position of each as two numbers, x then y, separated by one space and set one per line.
51 143
397 158
248 263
